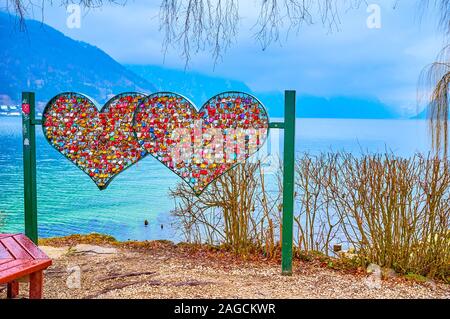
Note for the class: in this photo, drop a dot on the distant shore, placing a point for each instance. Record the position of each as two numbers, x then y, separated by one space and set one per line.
14 114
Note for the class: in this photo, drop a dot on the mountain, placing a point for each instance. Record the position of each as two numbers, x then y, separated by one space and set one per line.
44 60
344 107
423 115
199 87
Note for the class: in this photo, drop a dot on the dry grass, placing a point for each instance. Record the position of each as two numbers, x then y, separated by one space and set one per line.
72 240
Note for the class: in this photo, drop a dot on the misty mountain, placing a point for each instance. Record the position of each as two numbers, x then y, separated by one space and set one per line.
330 107
200 87
195 86
44 60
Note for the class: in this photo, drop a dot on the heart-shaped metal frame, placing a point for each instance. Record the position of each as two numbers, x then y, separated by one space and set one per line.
224 95
101 110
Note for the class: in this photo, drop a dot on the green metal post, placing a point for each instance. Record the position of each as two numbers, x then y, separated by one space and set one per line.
288 182
29 165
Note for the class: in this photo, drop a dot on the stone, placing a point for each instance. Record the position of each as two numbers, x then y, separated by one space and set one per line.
93 250
373 281
374 269
54 252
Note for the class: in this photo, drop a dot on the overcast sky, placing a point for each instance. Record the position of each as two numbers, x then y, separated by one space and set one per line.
357 61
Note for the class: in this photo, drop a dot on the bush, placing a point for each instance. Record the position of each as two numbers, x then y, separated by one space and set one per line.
235 211
391 211
395 211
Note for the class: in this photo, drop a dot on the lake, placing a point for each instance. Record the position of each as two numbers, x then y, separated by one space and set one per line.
69 202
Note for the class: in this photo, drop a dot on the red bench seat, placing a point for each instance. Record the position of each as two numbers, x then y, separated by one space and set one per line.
19 258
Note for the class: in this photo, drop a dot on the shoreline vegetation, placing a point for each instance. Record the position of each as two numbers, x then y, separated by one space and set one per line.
376 209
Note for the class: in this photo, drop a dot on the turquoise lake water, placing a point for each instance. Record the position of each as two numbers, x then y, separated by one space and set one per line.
69 202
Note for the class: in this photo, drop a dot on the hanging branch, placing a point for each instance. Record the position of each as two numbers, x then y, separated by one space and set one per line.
437 78
199 25
195 25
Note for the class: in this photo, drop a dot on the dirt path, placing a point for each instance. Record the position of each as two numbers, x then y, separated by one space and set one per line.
174 273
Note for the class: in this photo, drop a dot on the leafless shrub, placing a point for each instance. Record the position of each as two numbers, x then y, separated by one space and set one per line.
316 224
235 210
393 211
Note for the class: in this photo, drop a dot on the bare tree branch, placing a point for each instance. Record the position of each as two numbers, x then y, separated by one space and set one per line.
196 25
212 25
436 79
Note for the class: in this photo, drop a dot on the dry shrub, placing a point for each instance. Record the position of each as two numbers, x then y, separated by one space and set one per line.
393 211
235 210
317 226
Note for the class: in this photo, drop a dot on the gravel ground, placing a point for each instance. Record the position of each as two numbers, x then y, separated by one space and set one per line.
170 272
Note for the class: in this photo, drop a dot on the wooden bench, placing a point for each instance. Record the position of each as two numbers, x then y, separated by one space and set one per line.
21 259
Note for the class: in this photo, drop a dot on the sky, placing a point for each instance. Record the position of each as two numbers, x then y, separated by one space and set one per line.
382 63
